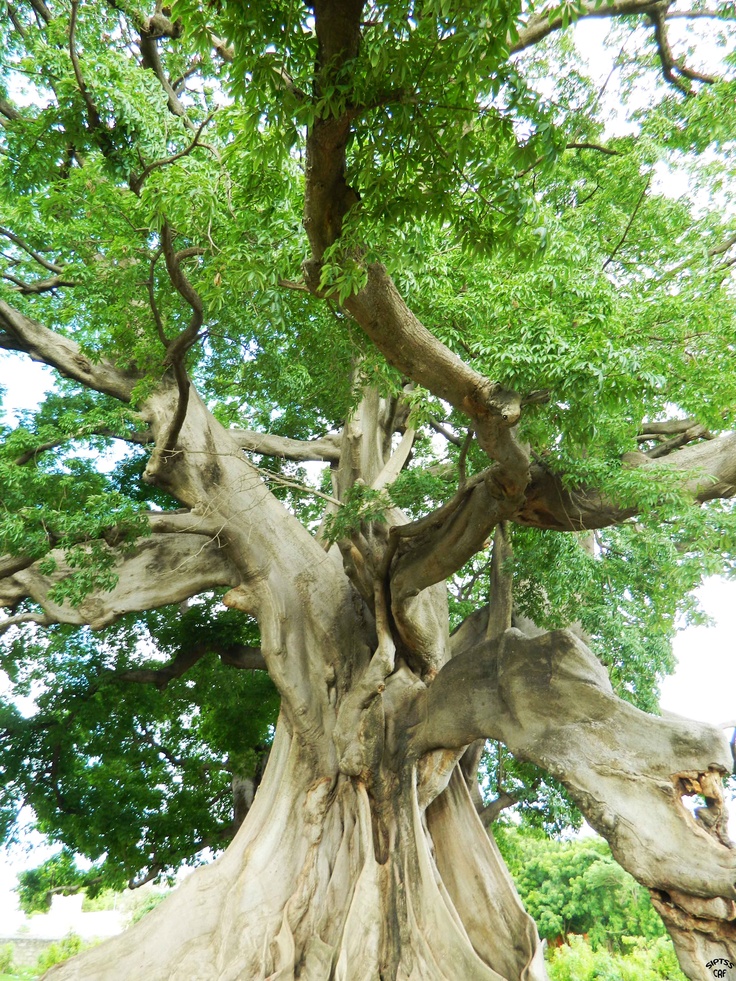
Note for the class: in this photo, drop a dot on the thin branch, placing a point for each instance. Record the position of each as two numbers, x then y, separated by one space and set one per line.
284 482
593 146
39 286
443 431
22 244
93 116
136 183
141 439
696 432
491 811
716 250
41 619
462 459
671 67
629 224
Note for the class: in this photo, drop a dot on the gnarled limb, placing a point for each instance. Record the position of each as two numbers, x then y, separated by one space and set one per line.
550 701
708 469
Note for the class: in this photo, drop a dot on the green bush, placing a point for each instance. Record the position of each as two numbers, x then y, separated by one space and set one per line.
576 887
6 959
61 951
646 960
150 903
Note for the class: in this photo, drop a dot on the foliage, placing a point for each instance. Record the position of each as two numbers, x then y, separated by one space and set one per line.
576 887
150 903
61 951
6 958
57 874
648 960
146 773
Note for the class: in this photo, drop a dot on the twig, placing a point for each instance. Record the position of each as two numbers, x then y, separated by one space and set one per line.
630 223
136 183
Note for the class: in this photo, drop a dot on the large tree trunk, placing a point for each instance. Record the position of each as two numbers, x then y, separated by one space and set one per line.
330 879
363 856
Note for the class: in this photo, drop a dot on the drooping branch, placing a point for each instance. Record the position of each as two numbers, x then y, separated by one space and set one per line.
149 33
673 69
19 332
541 25
177 348
632 218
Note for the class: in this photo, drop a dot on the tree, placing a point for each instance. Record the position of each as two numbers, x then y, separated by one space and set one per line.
575 887
399 241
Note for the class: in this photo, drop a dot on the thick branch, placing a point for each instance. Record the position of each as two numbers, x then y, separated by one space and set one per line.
20 333
328 197
236 655
151 59
327 448
417 353
550 701
708 473
166 568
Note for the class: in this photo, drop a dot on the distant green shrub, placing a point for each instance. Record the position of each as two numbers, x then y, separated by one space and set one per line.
151 902
646 960
61 951
6 959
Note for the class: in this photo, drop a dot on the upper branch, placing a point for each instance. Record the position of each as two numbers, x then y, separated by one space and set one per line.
327 448
407 344
328 197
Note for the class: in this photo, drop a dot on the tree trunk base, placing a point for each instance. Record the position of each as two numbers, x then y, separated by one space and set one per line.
307 890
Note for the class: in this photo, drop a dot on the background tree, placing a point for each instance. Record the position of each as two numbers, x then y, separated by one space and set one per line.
398 240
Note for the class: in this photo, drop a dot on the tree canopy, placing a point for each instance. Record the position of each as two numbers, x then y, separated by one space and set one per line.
381 352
